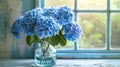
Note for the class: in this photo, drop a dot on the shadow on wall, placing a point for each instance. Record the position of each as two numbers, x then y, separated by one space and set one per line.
10 47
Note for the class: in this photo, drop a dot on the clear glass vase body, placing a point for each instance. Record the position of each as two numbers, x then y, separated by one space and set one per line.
45 56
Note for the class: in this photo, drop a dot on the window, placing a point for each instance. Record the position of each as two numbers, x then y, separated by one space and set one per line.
100 22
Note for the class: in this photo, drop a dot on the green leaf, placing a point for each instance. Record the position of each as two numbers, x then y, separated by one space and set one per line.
54 40
62 39
28 40
47 39
36 38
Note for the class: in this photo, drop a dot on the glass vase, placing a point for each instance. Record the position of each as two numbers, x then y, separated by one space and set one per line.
45 55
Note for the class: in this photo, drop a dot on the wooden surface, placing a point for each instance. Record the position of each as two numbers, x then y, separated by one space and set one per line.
64 63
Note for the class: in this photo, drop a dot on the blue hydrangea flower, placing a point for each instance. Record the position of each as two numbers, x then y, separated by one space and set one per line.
30 19
72 31
17 28
50 12
32 15
28 29
45 22
64 15
46 27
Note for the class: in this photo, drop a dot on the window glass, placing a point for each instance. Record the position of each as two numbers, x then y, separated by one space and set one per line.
59 3
69 45
115 30
92 4
94 30
115 4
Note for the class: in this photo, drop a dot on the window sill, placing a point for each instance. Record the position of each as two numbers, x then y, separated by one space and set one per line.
63 63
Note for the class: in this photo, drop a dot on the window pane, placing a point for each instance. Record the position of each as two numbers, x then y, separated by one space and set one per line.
115 36
92 4
115 4
59 3
69 45
94 30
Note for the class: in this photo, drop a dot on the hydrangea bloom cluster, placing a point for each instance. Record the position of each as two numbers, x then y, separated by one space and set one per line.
29 20
17 28
50 12
46 28
64 15
47 22
72 31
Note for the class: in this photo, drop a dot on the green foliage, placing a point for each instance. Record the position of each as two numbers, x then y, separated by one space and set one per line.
32 39
58 39
54 40
62 39
36 38
29 40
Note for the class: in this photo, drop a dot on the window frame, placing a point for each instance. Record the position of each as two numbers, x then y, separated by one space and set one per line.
77 53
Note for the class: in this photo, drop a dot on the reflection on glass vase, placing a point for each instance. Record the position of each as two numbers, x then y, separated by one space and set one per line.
45 55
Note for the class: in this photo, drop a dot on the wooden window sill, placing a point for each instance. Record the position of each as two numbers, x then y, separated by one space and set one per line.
63 63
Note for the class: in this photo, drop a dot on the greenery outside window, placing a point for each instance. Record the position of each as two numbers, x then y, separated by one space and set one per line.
100 22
